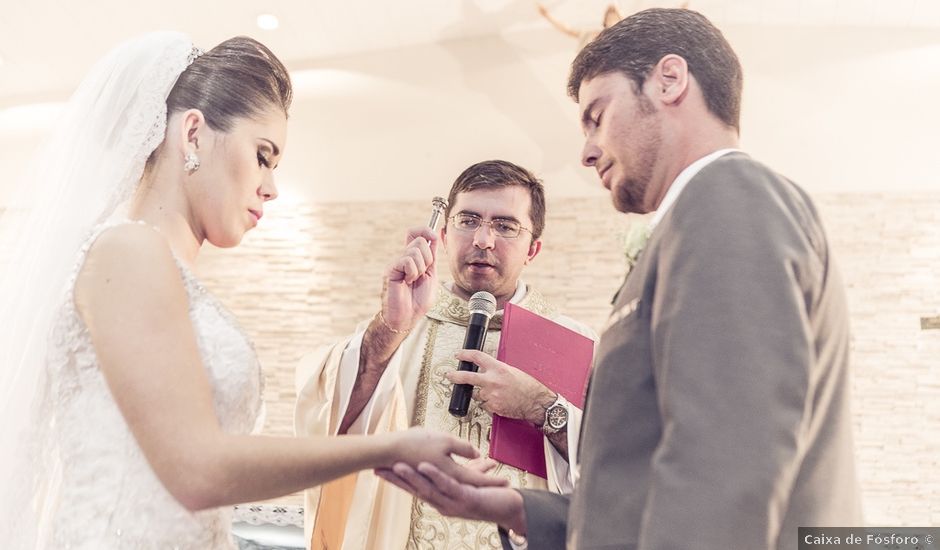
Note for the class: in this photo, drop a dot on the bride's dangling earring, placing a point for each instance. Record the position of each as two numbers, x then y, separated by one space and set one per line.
191 162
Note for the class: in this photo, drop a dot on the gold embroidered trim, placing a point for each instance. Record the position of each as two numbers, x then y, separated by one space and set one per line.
421 400
451 308
421 407
428 528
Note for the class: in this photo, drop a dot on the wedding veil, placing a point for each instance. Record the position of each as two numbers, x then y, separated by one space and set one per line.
92 163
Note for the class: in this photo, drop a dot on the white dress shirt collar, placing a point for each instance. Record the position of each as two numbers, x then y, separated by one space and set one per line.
681 181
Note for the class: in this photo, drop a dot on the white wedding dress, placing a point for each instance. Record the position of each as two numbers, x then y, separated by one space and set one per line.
110 497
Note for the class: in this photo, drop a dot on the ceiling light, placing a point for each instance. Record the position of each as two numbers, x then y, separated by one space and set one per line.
267 22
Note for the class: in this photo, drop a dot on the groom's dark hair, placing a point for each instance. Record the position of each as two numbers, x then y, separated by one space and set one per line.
635 45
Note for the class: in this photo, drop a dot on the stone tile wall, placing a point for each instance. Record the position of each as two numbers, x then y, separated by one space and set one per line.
310 273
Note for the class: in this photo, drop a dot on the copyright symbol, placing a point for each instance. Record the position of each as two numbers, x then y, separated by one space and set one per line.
928 539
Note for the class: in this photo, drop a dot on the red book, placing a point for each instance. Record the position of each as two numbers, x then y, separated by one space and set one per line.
554 355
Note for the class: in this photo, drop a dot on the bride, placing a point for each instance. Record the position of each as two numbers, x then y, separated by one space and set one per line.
129 392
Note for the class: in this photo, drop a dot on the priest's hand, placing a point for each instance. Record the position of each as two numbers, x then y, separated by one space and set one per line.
411 280
503 389
451 497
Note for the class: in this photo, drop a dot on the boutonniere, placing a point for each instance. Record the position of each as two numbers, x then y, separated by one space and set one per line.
634 241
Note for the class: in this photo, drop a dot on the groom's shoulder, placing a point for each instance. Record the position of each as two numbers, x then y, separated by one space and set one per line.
737 187
738 177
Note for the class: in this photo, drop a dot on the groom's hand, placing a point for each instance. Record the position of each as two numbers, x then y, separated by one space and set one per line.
451 497
420 445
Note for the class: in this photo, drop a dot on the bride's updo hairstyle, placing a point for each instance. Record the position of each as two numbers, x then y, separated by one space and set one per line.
239 78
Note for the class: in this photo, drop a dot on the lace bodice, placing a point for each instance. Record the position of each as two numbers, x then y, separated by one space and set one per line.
110 498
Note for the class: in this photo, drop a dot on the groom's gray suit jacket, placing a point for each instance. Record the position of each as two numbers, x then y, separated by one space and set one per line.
718 410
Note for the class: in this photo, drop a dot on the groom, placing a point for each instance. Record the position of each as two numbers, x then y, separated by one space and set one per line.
718 411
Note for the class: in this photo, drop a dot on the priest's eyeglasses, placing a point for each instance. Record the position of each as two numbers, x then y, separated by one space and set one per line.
469 223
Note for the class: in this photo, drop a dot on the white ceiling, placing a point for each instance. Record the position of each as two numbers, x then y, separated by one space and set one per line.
393 99
46 45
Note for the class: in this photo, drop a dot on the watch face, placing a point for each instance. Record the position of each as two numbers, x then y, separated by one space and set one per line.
557 417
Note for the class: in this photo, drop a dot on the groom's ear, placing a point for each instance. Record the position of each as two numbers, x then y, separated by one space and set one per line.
669 80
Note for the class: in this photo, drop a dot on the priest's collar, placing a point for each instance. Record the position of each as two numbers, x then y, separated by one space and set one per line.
450 308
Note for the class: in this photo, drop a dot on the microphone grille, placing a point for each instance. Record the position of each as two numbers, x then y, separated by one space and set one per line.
483 302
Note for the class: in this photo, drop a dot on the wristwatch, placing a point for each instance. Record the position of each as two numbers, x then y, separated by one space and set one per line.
556 416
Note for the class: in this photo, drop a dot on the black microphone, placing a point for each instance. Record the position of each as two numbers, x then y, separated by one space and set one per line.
482 307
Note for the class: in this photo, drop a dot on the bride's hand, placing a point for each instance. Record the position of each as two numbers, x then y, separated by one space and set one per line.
417 445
